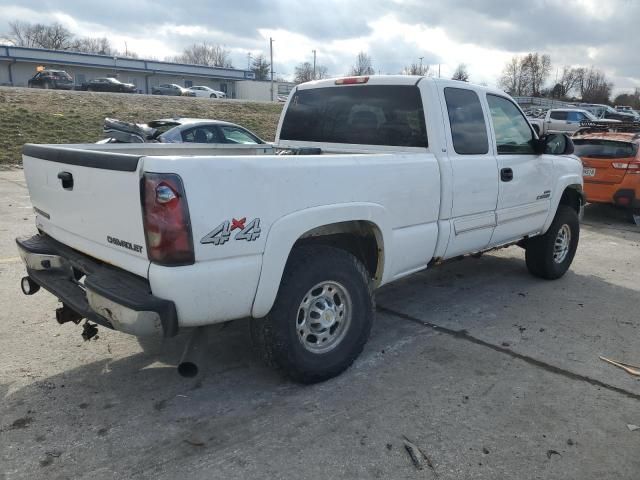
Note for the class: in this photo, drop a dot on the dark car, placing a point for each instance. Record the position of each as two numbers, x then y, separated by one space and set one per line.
55 79
108 85
173 90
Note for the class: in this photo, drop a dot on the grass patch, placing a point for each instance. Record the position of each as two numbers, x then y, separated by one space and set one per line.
49 116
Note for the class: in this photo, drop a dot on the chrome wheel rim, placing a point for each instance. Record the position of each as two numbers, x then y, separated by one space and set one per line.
324 317
562 243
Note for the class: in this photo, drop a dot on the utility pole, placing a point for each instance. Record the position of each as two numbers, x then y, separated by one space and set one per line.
249 61
438 70
420 71
271 53
314 64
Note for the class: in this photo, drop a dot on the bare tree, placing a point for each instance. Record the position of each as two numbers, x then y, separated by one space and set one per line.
569 79
536 67
526 75
101 46
362 65
57 37
461 73
511 78
260 67
594 86
304 72
630 99
417 69
204 54
38 35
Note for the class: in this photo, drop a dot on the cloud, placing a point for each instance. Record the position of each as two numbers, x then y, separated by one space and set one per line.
481 33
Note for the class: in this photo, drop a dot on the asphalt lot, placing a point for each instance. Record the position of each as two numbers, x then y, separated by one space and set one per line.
490 372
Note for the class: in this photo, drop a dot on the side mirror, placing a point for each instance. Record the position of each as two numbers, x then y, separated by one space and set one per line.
555 144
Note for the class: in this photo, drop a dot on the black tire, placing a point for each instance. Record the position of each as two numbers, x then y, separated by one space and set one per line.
541 256
213 95
279 337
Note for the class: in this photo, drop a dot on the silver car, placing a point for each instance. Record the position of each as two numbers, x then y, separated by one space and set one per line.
178 130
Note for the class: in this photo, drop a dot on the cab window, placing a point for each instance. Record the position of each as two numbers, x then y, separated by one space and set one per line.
512 130
468 128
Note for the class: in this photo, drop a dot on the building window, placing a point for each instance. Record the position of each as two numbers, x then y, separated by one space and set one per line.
81 78
223 87
188 83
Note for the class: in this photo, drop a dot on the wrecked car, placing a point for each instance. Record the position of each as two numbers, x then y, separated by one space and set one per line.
178 130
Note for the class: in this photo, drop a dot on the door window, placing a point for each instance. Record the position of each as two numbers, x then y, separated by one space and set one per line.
237 135
512 130
468 128
575 116
558 115
202 134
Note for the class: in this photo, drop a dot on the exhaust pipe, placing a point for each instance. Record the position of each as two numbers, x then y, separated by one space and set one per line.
29 287
194 353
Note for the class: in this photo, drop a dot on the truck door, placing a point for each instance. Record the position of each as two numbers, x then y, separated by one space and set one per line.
474 172
557 121
526 178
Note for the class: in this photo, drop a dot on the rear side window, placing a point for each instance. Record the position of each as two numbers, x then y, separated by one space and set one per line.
468 128
558 115
604 148
360 114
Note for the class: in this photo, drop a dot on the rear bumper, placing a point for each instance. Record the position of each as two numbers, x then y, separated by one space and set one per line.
620 194
102 293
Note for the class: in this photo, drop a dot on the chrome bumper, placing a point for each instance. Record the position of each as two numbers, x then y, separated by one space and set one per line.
102 293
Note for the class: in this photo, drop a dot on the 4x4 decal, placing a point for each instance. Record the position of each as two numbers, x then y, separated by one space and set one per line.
222 233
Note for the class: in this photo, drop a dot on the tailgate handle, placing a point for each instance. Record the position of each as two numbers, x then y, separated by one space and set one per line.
67 180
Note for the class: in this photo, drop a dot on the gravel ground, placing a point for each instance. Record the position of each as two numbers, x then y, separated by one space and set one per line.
479 369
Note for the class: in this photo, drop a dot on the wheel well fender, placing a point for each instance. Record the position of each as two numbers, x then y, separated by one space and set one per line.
356 227
572 196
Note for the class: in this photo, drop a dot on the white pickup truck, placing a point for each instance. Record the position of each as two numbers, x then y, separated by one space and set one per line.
375 178
565 120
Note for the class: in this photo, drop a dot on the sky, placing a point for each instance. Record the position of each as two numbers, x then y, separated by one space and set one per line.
483 34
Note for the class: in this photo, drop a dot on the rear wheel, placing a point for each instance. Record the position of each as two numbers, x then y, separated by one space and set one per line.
322 315
550 255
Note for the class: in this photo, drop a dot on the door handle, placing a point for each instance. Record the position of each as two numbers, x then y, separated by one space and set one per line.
67 180
506 174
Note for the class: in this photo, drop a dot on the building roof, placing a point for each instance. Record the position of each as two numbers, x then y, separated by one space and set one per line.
59 57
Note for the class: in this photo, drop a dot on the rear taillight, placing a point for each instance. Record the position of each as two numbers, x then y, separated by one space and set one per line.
167 227
630 167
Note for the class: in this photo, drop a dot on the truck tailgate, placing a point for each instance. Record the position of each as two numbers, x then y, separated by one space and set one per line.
90 201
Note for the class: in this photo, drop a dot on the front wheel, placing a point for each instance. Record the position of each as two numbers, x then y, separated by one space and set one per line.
322 315
550 255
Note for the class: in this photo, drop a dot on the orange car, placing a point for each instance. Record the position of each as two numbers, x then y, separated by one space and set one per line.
611 172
